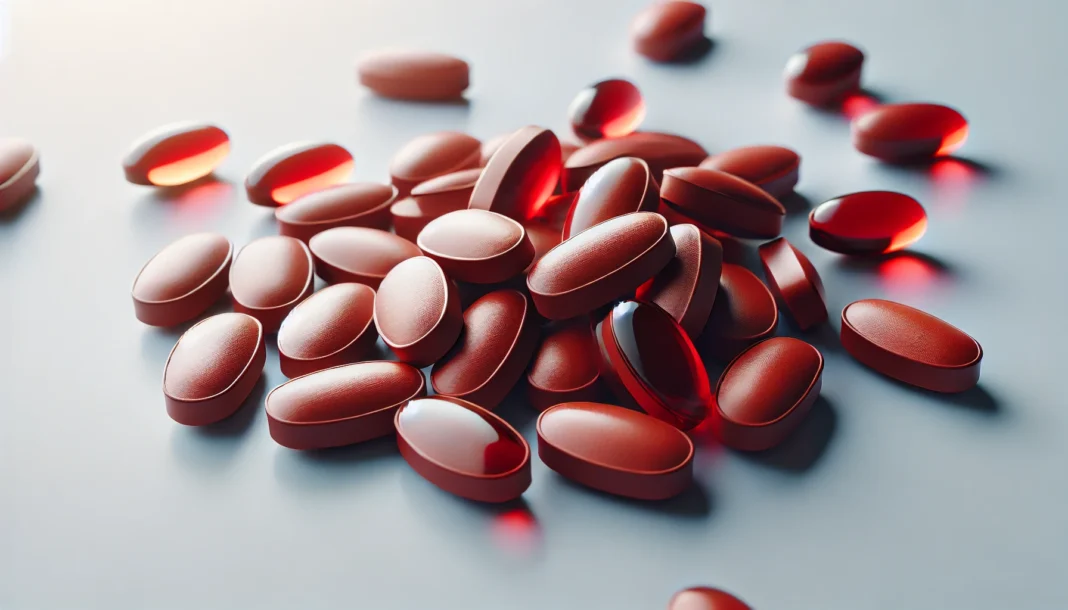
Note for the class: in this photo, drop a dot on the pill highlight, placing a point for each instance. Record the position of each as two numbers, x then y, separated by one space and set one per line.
176 154
297 169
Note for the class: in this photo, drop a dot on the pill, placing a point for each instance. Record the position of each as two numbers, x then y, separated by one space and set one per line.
600 265
910 345
824 73
619 187
359 204
213 368
477 246
567 149
909 132
744 313
296 169
343 405
607 109
667 31
452 190
463 449
358 254
565 366
660 150
722 201
332 327
869 222
705 598
432 155
794 282
615 450
183 279
772 168
544 238
521 175
176 154
417 311
686 288
555 209
491 146
648 359
20 164
269 276
410 74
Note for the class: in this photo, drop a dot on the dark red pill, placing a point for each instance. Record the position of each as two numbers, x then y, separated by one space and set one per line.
183 279
555 210
608 109
705 598
824 73
332 327
794 281
269 277
431 155
722 201
773 168
358 254
288 172
544 238
869 222
565 367
417 311
359 204
668 30
687 287
20 164
909 132
620 187
520 176
176 154
491 146
744 313
660 151
477 246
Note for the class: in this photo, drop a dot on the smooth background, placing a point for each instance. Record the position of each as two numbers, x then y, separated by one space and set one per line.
888 498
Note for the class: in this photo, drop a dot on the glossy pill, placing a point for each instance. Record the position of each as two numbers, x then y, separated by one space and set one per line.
668 30
555 210
615 450
432 155
869 222
20 164
293 170
477 246
705 598
600 264
176 154
607 109
417 311
686 288
660 151
794 282
343 405
622 186
463 449
520 176
773 168
744 313
909 132
183 279
911 345
213 368
358 254
269 276
565 366
414 75
824 73
332 327
722 201
359 204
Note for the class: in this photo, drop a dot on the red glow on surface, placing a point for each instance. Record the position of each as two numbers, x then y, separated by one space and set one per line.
857 104
907 274
336 175
190 168
516 531
909 236
953 181
953 141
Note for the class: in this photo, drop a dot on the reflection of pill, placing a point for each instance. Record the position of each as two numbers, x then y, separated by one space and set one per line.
607 109
869 222
19 167
183 279
413 75
417 311
824 73
358 254
772 168
332 327
477 246
297 169
269 276
176 154
360 204
905 132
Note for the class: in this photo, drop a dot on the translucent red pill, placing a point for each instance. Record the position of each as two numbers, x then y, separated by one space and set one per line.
909 132
669 30
521 174
297 169
608 109
824 73
869 222
176 154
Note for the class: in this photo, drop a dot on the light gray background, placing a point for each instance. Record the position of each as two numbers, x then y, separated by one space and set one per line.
888 498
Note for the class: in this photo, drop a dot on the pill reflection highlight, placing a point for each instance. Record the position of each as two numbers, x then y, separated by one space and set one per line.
189 169
286 193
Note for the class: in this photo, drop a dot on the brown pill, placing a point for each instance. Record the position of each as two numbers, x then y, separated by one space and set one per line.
555 209
358 254
521 175
183 279
744 313
477 246
269 276
824 73
705 598
491 146
452 190
722 201
544 238
414 75
213 368
667 31
687 287
600 265
432 155
565 366
343 405
359 204
773 168
795 282
332 327
417 311
660 151
294 170
619 187
19 167
176 154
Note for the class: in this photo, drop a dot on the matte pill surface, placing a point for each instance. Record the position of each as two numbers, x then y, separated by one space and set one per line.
705 598
20 164
477 246
293 170
491 146
432 155
686 288
600 264
869 222
773 168
565 366
608 109
414 75
615 450
359 204
213 368
463 449
269 276
544 238
176 154
660 150
668 30
417 311
342 405
909 132
722 201
358 254
520 176
452 190
183 279
910 345
824 73
794 282
744 313
332 327
622 186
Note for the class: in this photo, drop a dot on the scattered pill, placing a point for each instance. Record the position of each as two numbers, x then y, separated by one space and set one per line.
772 168
686 288
332 327
432 155
869 222
176 154
565 367
607 109
269 277
722 201
183 279
566 150
520 176
477 246
909 132
555 209
824 73
794 282
705 598
358 254
20 164
417 311
544 238
359 204
619 187
744 313
669 30
660 150
297 169
414 75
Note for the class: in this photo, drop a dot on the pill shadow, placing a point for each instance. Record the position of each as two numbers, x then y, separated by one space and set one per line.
208 448
323 469
516 408
695 502
695 54
12 214
945 168
867 264
976 399
796 204
823 336
205 187
802 450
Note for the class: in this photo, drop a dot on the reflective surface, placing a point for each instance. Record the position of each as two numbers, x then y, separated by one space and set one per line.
871 222
608 109
459 439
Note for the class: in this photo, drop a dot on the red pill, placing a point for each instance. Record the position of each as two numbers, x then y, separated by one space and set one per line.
520 176
269 277
687 287
909 132
213 368
615 450
795 282
176 154
722 201
183 279
567 149
601 264
359 204
432 155
414 75
869 222
824 73
477 246
555 209
705 598
667 31
417 311
343 405
910 345
660 151
293 170
608 109
452 191
543 238
19 167
358 254
332 327
744 313
772 168
491 146
565 367
463 449
620 187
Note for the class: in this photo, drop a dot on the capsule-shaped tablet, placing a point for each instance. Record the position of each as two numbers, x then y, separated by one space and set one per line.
213 368
660 151
20 164
293 170
463 449
183 279
491 146
600 264
477 246
521 175
668 30
544 238
744 313
414 75
909 132
565 366
722 201
452 190
705 598
358 254
432 155
269 277
176 154
332 327
607 109
794 282
911 345
417 311
615 450
620 187
824 73
686 288
773 168
359 204
343 405
869 222
555 210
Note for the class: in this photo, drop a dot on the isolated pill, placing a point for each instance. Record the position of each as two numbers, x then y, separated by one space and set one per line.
417 311
869 222
432 155
668 30
477 246
358 254
565 366
20 164
686 288
183 279
176 154
773 168
333 326
619 187
824 73
794 282
293 170
909 132
269 276
359 204
607 109
410 74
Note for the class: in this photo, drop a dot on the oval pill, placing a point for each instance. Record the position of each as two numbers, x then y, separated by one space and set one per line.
269 276
417 311
607 109
520 176
358 254
794 282
432 155
359 204
293 170
452 190
333 326
744 313
565 366
722 201
773 168
824 73
705 598
619 187
20 164
686 288
176 154
477 246
183 279
909 132
869 222
544 238
668 30
660 151
410 74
